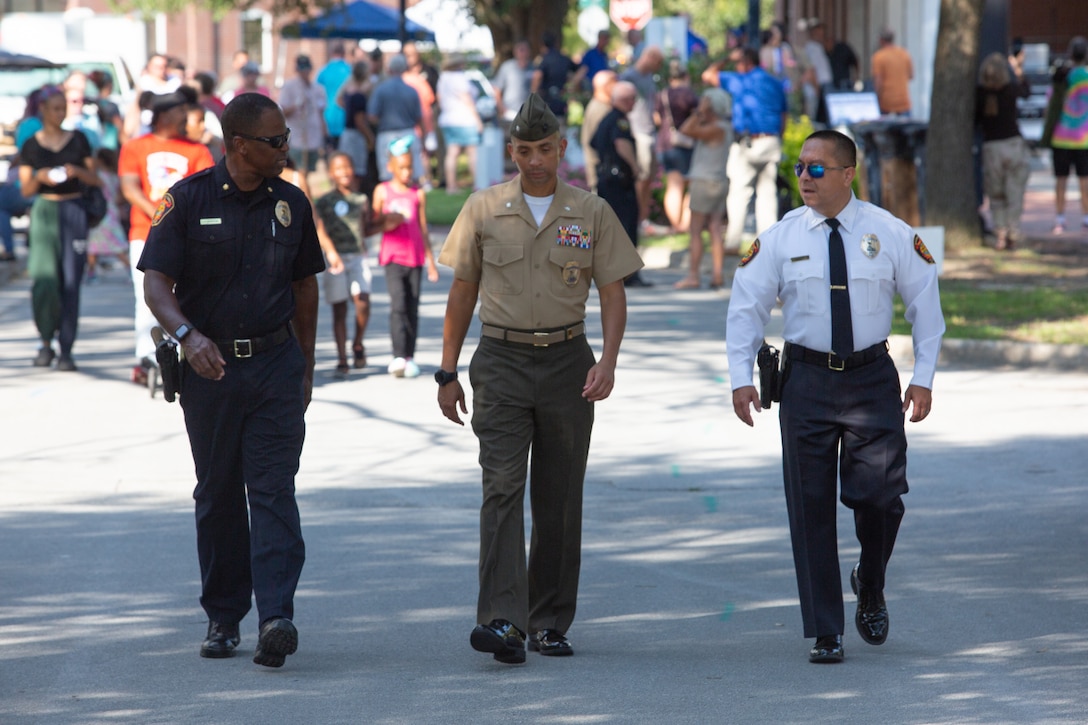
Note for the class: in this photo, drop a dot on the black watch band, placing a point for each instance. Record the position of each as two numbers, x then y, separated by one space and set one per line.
442 377
182 332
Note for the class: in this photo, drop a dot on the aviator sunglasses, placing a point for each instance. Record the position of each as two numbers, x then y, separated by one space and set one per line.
816 171
276 142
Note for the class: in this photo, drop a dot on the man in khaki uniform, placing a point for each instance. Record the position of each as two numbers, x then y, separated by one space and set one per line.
528 249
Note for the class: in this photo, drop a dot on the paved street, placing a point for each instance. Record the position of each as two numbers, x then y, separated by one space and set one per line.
688 610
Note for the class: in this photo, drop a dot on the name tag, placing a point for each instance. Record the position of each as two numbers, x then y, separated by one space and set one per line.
210 222
799 259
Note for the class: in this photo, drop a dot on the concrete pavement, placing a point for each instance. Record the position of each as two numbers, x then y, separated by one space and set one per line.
688 607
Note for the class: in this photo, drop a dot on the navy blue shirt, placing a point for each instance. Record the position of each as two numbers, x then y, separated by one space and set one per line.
232 254
759 100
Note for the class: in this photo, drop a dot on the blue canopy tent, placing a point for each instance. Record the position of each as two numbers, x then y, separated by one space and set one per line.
359 20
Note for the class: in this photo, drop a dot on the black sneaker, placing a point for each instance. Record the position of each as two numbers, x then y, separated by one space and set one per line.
67 364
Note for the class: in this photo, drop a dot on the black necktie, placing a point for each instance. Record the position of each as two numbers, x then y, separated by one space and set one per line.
842 328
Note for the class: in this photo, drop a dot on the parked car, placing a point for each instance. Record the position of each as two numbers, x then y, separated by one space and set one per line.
19 77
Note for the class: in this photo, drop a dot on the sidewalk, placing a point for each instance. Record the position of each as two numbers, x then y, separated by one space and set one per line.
688 608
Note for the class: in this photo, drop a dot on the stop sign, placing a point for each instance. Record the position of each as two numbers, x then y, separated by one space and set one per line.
631 14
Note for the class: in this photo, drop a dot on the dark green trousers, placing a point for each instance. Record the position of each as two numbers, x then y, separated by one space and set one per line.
527 403
57 256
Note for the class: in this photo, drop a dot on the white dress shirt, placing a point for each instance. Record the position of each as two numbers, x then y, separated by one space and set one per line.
883 257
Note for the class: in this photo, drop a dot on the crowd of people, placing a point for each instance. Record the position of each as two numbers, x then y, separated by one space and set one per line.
710 134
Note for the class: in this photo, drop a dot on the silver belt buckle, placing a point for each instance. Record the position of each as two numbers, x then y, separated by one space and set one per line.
541 336
247 345
831 364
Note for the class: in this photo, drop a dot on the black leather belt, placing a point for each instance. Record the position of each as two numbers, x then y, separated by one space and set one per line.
537 339
833 361
250 347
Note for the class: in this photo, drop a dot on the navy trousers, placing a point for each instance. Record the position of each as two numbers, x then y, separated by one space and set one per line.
848 426
246 433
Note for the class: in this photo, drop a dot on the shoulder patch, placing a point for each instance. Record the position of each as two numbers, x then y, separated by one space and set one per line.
751 254
165 207
920 247
623 124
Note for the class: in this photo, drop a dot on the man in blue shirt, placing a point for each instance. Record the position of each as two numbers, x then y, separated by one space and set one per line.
759 117
595 59
332 77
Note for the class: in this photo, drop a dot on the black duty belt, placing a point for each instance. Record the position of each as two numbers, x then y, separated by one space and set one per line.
537 339
252 346
833 361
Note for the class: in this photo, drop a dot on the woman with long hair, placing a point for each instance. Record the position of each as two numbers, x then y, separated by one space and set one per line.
56 164
1006 161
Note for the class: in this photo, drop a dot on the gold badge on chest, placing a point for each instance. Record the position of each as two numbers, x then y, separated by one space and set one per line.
571 273
283 213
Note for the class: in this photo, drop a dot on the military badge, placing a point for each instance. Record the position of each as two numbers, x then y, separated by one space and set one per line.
164 208
571 272
751 254
283 213
920 247
870 246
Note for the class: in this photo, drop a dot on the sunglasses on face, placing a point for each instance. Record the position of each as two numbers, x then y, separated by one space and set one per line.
816 171
276 142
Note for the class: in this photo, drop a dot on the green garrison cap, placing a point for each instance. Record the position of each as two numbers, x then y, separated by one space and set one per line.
534 120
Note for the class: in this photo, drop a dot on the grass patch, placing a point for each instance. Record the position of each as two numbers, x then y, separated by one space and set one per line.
1039 314
443 208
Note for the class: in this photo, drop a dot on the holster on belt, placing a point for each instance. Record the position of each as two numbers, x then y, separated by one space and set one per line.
166 355
770 375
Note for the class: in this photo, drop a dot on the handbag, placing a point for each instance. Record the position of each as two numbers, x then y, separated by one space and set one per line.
94 205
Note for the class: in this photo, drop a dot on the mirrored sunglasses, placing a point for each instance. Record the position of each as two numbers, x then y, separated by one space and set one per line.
816 171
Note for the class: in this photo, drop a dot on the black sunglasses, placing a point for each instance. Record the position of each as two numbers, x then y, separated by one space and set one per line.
276 142
816 171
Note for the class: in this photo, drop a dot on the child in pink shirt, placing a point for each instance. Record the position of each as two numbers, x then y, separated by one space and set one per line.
404 250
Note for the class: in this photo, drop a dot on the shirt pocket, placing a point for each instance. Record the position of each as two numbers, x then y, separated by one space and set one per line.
571 270
809 284
281 249
503 273
211 251
872 282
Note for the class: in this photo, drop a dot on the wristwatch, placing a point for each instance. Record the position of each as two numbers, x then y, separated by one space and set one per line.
442 377
182 331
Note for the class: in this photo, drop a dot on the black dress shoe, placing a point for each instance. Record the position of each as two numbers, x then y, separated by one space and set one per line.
220 641
278 639
872 615
827 650
550 643
500 638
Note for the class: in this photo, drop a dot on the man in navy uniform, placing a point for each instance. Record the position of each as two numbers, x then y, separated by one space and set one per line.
836 265
230 272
